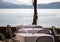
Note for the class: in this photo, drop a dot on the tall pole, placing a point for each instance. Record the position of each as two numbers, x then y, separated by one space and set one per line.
35 17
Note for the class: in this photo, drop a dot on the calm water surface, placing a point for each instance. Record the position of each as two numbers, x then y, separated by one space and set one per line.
46 17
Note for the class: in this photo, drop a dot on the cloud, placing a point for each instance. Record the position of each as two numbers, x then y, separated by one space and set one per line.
29 1
13 1
48 1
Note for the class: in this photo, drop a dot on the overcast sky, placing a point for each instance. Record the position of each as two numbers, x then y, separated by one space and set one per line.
30 1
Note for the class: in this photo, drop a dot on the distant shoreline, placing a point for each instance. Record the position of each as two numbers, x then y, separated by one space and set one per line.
29 8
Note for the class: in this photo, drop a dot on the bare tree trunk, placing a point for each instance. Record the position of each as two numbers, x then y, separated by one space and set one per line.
35 17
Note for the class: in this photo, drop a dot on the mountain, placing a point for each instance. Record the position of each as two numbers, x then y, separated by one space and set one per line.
53 5
10 5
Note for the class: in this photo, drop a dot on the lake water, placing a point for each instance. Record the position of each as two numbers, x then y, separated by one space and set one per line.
46 17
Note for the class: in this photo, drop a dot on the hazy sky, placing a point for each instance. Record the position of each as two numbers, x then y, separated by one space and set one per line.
30 1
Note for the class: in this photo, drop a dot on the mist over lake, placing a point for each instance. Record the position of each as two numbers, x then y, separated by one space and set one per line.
46 17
